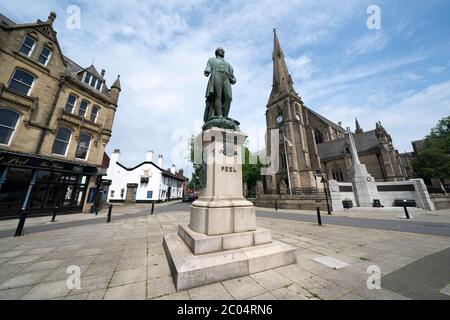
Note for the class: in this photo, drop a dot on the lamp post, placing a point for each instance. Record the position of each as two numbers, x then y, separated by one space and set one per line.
287 161
324 180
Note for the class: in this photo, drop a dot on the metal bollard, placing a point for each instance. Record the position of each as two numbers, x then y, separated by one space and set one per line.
153 207
276 206
96 210
406 212
55 210
319 218
109 213
23 217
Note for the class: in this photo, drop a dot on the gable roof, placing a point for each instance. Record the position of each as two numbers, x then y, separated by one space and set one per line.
328 122
44 27
164 172
365 142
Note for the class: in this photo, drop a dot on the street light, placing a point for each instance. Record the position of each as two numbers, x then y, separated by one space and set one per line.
324 180
285 140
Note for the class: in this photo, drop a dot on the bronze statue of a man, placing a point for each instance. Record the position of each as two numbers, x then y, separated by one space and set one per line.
218 93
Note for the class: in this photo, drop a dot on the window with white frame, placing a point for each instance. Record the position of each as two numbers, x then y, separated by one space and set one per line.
83 146
71 102
44 57
28 45
62 141
83 108
8 123
87 77
94 113
21 82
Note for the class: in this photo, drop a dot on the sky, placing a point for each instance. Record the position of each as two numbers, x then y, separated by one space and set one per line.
398 74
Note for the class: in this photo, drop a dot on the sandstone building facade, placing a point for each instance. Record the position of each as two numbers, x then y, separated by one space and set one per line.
56 118
315 145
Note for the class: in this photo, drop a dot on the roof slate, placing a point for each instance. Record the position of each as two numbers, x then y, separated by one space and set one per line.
365 142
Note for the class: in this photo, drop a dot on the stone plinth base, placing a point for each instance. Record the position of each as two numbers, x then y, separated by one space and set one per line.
190 271
201 244
222 216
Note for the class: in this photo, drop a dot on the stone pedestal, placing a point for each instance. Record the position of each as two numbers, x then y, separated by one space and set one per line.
222 240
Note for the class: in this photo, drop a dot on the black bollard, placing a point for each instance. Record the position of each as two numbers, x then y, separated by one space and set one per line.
96 210
55 210
109 213
406 212
23 217
319 218
276 206
153 207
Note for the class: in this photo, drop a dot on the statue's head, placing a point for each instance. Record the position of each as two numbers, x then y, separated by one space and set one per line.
220 52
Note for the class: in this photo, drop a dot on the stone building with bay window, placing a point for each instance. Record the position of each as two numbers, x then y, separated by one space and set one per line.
56 118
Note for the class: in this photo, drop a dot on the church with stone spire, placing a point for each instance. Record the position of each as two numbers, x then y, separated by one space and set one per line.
309 143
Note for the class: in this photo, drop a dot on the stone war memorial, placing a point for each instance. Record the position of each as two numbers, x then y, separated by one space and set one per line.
222 240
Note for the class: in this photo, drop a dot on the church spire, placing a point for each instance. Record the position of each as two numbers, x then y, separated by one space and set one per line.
358 127
282 80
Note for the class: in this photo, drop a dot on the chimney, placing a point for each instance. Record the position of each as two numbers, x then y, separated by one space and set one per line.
181 173
115 156
149 156
173 170
160 161
103 73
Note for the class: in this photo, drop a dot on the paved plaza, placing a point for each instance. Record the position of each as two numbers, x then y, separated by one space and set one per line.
125 260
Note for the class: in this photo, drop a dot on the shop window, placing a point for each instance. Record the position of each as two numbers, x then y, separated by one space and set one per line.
8 123
14 189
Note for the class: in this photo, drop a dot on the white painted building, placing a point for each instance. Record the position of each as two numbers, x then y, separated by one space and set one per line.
145 182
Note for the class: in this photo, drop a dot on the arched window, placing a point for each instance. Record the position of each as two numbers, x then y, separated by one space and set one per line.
337 175
8 123
83 108
83 146
21 82
319 136
62 141
71 102
94 113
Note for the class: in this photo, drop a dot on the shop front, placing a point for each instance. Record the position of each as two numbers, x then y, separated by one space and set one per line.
39 185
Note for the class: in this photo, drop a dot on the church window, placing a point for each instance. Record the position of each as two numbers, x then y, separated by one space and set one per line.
319 136
337 175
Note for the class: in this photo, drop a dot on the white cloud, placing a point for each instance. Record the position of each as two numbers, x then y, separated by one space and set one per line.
160 48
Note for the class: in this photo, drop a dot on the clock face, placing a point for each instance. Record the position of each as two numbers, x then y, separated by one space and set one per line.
280 119
297 116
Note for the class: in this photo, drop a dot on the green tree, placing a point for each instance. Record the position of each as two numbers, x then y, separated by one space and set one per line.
434 160
251 171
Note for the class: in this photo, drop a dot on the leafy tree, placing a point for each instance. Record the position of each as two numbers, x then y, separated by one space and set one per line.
434 160
251 171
